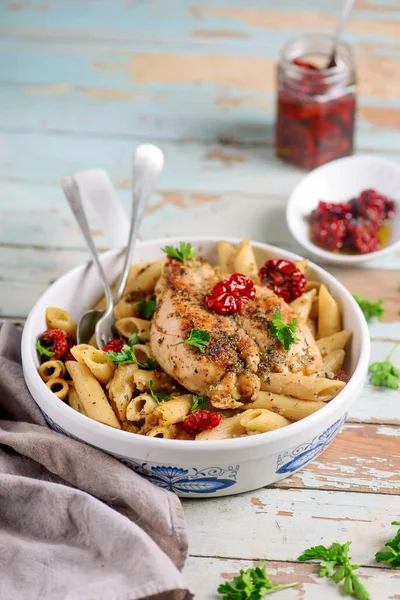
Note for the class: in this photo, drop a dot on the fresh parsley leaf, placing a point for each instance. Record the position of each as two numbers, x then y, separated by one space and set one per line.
43 350
200 338
159 396
134 339
199 402
285 332
392 556
335 563
252 584
183 253
370 309
127 355
146 308
385 374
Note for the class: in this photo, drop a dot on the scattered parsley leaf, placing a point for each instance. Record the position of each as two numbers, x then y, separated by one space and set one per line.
252 584
146 308
334 562
127 355
200 338
43 350
134 339
392 556
199 402
183 253
385 374
285 332
369 308
159 396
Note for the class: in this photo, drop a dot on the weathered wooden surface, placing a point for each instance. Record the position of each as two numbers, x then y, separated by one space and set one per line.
80 87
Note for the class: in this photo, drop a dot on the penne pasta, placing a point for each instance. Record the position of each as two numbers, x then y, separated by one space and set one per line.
173 411
142 352
291 408
77 351
334 360
312 327
131 427
59 387
226 255
161 382
91 394
140 407
228 428
302 264
260 420
121 387
305 387
146 277
337 341
75 402
169 433
245 262
101 367
124 308
129 325
56 318
52 369
329 321
302 305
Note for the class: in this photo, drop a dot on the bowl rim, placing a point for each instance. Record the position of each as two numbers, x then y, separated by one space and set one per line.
271 437
306 242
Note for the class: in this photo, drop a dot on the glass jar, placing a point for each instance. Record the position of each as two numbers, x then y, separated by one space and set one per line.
316 104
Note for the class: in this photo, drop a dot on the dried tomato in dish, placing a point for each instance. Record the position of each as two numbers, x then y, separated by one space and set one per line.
231 295
114 345
201 420
283 277
56 340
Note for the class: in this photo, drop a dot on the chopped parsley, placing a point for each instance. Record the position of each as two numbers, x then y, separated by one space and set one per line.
127 355
183 253
199 402
159 396
285 332
252 584
370 309
200 338
385 374
392 556
133 339
146 308
43 350
334 563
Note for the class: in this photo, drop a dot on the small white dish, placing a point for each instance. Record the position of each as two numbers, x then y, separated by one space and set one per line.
339 181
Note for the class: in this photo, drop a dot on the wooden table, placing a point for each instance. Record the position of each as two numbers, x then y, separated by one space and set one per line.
82 83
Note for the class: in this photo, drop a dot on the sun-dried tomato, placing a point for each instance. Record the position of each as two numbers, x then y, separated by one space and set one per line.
343 210
284 278
114 345
329 232
341 376
201 420
363 236
56 340
68 355
375 207
231 295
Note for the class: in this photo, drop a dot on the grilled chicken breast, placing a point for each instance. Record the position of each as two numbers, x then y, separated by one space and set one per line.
240 348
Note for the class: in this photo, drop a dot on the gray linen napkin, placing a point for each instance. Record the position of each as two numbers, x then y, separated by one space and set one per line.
75 524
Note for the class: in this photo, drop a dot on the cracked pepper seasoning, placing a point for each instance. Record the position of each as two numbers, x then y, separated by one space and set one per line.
316 105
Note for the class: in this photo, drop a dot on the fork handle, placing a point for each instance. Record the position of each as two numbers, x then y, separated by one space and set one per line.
72 194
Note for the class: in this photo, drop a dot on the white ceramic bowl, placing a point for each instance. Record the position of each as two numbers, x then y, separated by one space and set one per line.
339 181
204 468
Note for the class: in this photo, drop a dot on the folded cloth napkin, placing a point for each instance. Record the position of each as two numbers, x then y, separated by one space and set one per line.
76 524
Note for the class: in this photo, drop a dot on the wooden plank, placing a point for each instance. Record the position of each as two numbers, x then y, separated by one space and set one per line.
363 458
311 586
278 524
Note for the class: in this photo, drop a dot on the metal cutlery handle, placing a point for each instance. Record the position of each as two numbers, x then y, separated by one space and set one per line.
73 196
148 162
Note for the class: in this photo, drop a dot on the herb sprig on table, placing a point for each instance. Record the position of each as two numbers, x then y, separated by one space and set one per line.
335 563
385 374
370 309
252 584
391 556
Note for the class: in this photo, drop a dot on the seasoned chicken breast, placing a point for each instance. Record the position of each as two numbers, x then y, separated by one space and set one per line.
241 347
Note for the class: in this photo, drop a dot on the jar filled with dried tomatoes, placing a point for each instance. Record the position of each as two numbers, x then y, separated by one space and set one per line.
316 104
